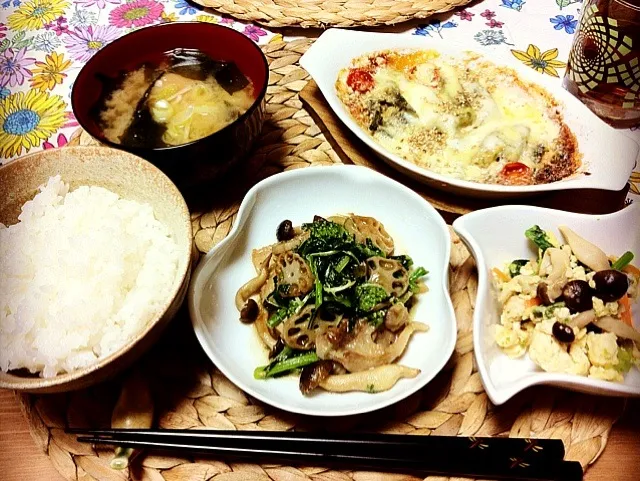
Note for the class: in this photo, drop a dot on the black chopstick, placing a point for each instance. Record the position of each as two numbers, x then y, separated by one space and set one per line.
542 450
504 458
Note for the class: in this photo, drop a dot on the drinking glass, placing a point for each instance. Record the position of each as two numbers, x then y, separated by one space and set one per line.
604 62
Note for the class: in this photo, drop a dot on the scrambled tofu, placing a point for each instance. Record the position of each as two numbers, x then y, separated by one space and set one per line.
557 336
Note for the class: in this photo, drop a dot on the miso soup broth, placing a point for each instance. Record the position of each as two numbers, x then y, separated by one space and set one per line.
183 97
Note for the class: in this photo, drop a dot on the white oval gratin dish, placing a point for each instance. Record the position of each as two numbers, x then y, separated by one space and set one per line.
495 236
608 155
417 229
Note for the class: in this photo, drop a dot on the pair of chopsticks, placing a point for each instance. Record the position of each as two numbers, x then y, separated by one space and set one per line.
497 458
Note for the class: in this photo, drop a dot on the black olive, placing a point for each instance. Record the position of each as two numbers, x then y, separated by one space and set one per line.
611 285
317 218
285 231
563 332
249 312
543 293
577 296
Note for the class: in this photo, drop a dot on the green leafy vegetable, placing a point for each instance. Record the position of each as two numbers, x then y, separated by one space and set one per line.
516 265
623 261
625 359
369 296
549 310
289 310
342 264
539 237
406 261
377 318
414 277
324 236
285 365
368 249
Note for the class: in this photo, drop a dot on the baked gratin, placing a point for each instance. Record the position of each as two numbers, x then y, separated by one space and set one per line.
463 117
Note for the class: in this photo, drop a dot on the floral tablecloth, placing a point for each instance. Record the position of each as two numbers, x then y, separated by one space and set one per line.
44 43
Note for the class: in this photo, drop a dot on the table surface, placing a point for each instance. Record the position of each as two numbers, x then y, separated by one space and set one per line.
504 27
21 460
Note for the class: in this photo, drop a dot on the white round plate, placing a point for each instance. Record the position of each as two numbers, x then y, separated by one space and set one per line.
495 236
608 155
298 195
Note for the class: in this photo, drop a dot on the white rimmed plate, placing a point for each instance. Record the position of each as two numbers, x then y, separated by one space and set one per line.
609 155
298 195
495 236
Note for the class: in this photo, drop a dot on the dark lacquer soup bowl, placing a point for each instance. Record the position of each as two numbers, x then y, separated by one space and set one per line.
198 161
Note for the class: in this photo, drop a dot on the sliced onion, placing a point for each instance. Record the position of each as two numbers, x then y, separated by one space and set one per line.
182 117
586 252
619 328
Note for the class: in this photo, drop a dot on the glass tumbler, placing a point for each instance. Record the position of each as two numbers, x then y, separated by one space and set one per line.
604 63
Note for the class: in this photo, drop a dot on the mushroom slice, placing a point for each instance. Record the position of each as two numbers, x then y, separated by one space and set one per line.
294 274
311 376
364 228
396 318
378 379
558 261
586 252
619 328
389 274
253 285
263 330
296 332
583 319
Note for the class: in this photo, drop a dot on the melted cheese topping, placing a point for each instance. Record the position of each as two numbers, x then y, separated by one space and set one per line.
466 118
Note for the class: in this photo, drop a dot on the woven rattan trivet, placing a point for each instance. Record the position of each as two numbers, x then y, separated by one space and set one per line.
326 13
189 392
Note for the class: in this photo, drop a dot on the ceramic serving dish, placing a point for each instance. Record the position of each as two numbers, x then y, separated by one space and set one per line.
495 236
298 195
609 155
132 178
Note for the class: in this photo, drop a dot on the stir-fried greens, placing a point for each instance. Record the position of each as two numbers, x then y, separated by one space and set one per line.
334 299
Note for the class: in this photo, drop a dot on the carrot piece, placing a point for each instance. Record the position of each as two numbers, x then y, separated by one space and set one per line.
500 275
534 301
625 313
631 269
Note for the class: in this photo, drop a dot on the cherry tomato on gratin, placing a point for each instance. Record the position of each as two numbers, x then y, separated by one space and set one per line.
360 80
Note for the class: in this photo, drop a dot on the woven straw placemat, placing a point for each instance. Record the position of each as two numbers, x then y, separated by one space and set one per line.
330 13
189 392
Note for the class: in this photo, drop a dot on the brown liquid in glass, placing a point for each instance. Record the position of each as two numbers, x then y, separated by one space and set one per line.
606 99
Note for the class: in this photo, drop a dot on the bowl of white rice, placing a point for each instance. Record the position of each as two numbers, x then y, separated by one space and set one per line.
95 253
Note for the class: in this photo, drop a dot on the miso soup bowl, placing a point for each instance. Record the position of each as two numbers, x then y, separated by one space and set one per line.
200 161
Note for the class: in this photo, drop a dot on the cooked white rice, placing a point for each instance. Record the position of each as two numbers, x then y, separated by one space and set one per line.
81 273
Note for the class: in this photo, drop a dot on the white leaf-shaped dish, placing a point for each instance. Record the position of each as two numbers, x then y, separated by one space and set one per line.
298 195
608 155
495 236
